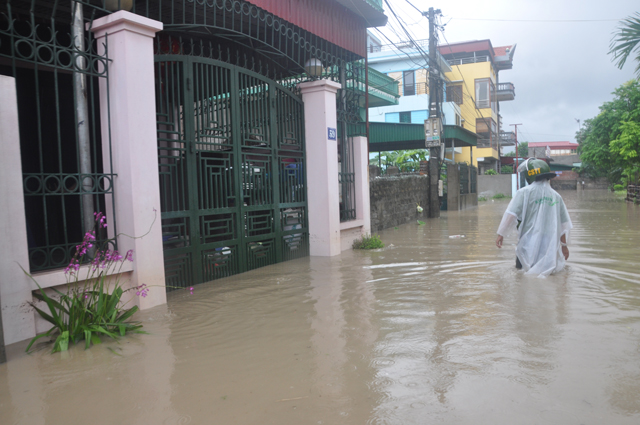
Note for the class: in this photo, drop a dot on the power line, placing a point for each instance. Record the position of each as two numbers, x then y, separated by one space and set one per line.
414 6
538 20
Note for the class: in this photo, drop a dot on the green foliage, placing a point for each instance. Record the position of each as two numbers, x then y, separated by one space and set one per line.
420 223
506 169
523 151
88 310
499 196
610 142
619 187
405 160
490 172
368 242
481 199
627 41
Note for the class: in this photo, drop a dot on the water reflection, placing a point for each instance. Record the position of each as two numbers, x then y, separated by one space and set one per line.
428 327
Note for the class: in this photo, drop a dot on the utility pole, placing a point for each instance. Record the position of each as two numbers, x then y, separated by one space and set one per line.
515 164
434 112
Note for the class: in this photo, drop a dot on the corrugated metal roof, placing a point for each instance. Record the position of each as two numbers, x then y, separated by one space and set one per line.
386 136
327 19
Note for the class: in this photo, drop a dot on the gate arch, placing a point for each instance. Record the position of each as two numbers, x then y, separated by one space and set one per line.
232 169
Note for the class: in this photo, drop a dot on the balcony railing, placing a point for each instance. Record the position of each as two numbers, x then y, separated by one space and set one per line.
463 61
506 91
415 89
402 45
507 138
487 143
382 82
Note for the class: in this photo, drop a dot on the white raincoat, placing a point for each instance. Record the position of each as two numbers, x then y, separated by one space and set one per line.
543 219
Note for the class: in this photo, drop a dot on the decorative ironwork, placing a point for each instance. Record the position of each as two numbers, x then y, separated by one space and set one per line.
39 49
231 164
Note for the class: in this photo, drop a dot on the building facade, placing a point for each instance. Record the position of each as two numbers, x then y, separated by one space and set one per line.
473 84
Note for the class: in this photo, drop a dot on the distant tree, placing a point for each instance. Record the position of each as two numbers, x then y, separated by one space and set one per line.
610 142
523 150
626 41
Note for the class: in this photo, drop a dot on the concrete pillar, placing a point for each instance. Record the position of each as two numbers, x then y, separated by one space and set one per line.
434 177
131 95
361 170
321 144
15 287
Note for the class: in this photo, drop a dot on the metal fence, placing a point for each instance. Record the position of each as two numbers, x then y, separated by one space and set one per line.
464 178
55 61
473 179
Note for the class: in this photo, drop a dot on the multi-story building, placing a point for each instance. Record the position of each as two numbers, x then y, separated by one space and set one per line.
407 64
471 98
474 85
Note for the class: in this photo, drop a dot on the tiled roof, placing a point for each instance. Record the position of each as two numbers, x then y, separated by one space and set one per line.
501 51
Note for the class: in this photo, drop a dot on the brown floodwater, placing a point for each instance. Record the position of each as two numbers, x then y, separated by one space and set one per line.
430 329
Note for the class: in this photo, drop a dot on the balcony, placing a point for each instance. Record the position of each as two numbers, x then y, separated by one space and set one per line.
506 91
383 90
507 138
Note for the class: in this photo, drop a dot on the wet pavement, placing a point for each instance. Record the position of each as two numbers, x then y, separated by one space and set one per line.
430 329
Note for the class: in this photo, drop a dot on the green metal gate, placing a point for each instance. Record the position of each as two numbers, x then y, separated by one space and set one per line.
231 163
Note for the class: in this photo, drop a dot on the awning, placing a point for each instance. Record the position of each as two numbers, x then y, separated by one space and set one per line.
389 136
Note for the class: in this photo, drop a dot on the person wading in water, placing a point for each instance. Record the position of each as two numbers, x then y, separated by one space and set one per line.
542 220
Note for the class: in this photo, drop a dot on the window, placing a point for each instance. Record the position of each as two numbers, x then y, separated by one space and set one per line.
408 83
482 93
454 94
405 117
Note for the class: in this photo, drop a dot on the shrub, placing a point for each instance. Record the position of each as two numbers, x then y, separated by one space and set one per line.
499 196
618 187
368 242
490 172
87 310
481 199
506 169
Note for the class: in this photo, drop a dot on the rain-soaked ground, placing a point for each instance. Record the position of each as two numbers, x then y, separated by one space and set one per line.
429 330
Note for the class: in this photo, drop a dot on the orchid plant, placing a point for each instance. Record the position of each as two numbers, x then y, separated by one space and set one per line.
88 310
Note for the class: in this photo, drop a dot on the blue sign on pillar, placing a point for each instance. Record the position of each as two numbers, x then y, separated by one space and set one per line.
333 134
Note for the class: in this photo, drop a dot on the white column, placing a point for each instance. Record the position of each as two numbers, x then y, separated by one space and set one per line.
361 169
319 99
129 40
15 286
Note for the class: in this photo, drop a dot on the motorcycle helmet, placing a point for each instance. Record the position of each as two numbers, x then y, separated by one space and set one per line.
536 169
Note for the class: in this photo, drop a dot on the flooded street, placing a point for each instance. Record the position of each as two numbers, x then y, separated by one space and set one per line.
430 329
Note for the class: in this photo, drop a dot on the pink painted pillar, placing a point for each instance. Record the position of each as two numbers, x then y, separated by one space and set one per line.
319 99
129 40
15 286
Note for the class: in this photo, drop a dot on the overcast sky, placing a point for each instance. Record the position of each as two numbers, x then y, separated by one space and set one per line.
561 70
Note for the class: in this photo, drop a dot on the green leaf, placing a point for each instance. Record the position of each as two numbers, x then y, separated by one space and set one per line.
95 339
420 223
62 342
37 337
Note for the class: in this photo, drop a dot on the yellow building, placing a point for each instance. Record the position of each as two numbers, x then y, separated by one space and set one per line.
473 84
